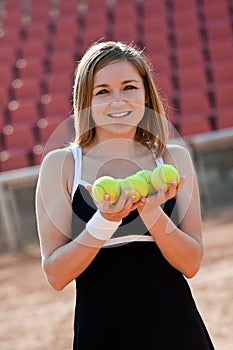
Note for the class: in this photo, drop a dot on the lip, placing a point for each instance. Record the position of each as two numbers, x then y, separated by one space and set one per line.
119 114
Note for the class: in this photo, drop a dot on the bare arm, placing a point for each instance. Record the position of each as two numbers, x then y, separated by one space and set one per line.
182 246
63 259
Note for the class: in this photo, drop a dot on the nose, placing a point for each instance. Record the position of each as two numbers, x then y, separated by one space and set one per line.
117 99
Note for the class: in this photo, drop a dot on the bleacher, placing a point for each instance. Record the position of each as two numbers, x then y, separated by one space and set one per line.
188 41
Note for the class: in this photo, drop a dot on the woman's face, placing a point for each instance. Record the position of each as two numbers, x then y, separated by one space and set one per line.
118 100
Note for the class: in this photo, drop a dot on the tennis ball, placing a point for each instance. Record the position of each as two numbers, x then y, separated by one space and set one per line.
136 185
146 174
163 175
105 185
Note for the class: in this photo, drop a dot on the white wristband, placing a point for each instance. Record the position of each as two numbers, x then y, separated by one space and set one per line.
101 228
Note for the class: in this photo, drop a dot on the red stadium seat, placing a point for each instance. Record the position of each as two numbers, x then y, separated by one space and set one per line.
58 83
9 37
194 104
122 11
215 10
185 19
13 159
223 73
193 126
12 18
154 8
218 31
20 112
64 43
6 75
46 127
8 55
94 5
37 154
160 60
223 95
2 119
38 12
30 68
189 57
32 49
221 51
66 24
57 106
224 119
53 132
95 26
191 79
4 96
163 83
18 137
62 63
14 5
36 31
188 38
157 43
154 19
68 8
27 89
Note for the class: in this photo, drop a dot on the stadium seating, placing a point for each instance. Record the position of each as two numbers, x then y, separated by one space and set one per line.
188 42
22 112
13 159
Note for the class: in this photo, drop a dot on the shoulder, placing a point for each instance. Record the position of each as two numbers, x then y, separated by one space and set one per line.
58 157
59 166
178 156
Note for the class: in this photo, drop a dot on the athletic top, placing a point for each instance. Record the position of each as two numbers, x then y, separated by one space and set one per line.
121 236
130 297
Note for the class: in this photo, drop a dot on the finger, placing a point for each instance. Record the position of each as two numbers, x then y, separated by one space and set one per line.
122 200
172 191
105 204
140 203
161 193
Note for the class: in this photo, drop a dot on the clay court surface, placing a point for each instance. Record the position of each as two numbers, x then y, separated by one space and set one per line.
35 317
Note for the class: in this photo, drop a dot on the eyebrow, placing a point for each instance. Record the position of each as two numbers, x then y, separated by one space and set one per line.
124 82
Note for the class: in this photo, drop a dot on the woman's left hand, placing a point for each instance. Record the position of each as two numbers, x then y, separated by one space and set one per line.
161 196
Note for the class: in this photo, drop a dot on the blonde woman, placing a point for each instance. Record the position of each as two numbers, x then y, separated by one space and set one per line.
130 261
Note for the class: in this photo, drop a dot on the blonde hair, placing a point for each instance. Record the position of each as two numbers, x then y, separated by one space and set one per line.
153 128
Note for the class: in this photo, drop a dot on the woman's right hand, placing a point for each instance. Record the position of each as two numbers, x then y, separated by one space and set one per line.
117 211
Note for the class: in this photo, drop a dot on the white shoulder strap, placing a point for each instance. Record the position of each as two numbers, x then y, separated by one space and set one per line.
158 161
77 155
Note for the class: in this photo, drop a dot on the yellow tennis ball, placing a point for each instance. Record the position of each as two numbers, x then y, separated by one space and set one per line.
146 174
135 185
105 185
163 175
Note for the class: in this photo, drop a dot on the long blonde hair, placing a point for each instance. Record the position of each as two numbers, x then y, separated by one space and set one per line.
153 128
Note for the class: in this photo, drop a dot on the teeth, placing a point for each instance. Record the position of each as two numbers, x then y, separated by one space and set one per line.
119 115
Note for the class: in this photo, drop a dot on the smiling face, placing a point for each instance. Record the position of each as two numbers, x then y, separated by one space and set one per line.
118 101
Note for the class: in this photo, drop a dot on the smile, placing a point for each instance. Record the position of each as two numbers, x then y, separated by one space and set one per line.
119 115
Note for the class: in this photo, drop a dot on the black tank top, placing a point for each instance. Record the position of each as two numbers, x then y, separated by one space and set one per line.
130 297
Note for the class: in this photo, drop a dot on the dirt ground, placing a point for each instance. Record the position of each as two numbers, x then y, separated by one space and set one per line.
35 317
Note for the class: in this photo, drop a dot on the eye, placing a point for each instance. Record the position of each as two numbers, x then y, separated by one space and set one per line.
130 87
101 92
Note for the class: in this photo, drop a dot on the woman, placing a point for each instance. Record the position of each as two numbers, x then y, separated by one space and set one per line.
129 259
